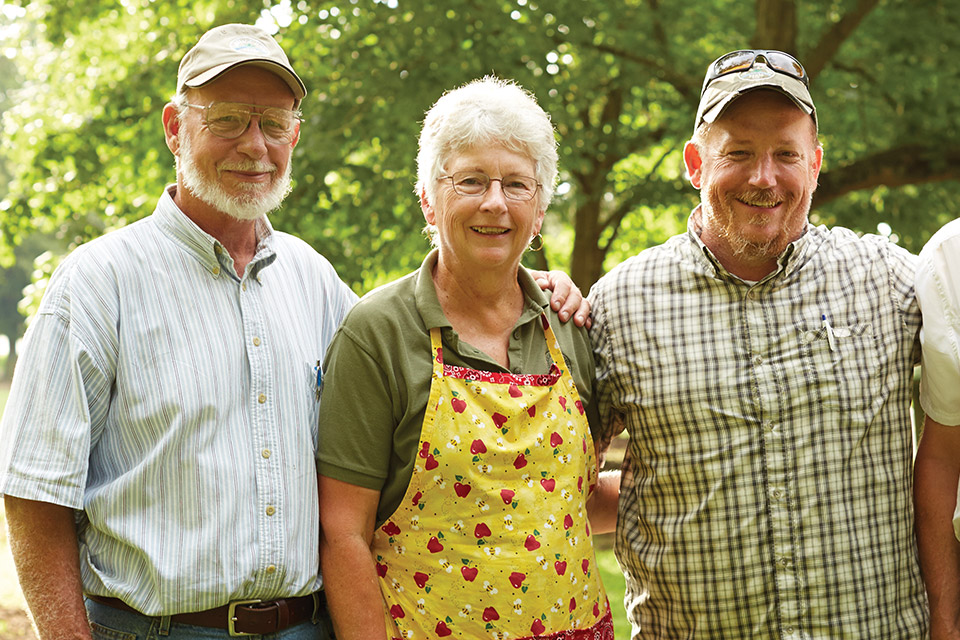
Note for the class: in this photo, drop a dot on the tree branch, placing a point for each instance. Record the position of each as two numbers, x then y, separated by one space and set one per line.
626 205
908 164
823 51
681 83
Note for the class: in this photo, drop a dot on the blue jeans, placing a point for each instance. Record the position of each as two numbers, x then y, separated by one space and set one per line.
108 623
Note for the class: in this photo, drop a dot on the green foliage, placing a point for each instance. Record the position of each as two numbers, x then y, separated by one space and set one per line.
621 81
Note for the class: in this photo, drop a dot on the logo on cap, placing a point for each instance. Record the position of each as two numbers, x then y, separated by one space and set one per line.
247 45
757 73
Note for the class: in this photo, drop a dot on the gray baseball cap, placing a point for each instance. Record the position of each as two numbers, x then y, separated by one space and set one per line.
719 92
232 45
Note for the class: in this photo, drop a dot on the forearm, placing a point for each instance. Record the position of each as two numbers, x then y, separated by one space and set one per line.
352 589
43 540
935 496
603 503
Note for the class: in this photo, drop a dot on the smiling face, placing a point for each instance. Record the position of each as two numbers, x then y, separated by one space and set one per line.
488 231
756 170
244 177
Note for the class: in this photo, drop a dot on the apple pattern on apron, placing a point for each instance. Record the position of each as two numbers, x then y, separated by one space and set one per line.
491 539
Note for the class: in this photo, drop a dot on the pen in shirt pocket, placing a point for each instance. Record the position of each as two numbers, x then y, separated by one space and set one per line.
830 337
319 371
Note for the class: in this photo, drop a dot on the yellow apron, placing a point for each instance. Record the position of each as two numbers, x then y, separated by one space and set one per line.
491 539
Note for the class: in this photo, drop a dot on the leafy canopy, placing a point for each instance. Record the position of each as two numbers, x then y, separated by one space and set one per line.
620 79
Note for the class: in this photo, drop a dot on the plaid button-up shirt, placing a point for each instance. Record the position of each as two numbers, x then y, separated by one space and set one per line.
770 458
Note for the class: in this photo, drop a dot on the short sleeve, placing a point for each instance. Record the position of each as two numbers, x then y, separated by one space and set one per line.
58 400
938 292
356 421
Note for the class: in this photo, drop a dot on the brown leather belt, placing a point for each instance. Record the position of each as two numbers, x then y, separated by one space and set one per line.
245 617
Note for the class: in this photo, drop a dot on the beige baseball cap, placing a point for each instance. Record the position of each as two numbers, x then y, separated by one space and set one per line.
720 92
232 45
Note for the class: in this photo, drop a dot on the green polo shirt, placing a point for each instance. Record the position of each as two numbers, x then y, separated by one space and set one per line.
377 377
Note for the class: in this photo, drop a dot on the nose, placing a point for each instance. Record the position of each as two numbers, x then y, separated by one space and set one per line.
494 199
252 142
764 174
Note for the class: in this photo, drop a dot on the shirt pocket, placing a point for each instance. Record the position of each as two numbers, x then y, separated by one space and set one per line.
842 368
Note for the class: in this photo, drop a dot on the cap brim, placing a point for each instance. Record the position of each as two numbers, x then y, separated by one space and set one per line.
296 85
724 90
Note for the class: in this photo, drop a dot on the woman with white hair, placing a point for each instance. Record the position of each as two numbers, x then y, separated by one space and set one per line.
455 456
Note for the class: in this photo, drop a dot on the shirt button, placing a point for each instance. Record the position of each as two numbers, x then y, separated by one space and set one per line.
516 334
244 286
265 453
271 510
216 271
256 342
261 398
217 250
757 360
272 569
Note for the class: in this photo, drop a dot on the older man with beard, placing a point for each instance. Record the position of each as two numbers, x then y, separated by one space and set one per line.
157 453
762 367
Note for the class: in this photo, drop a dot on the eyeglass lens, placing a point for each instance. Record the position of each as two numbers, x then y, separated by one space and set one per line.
473 183
231 119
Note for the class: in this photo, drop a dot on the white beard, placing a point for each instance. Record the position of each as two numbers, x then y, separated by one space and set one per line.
242 207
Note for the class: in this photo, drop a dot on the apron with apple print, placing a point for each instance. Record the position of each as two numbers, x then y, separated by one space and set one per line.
491 539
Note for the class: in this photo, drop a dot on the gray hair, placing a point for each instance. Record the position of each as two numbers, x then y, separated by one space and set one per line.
489 111
180 101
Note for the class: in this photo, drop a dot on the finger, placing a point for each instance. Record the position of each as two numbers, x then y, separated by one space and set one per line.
572 305
581 316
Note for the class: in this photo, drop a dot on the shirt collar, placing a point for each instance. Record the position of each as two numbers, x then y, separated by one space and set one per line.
535 301
789 261
204 247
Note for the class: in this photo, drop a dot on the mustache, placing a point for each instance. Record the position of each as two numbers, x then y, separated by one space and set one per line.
247 165
764 196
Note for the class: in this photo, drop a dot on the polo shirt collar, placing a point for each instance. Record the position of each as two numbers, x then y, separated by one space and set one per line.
428 304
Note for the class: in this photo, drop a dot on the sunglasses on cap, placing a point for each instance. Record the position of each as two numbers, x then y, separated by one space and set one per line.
745 59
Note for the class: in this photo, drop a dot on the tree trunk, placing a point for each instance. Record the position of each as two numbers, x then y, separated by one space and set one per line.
586 265
776 25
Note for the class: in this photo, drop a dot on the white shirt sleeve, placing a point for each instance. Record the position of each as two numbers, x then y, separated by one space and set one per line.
938 293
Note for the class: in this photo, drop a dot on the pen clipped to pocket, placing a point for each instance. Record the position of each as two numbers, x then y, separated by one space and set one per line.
319 371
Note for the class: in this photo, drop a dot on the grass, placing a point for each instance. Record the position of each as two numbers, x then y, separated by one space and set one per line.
11 595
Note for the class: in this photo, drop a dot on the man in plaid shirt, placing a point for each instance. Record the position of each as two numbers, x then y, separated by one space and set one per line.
762 367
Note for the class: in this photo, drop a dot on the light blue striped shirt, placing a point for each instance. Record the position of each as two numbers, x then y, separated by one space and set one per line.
175 406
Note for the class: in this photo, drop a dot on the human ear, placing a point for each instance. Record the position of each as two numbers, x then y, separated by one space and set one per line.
693 162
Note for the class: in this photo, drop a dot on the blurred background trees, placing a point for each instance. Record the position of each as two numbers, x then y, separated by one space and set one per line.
83 83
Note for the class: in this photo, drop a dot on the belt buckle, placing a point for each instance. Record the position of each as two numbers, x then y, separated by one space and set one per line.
232 617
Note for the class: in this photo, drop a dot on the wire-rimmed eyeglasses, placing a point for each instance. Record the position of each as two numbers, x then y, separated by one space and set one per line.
476 183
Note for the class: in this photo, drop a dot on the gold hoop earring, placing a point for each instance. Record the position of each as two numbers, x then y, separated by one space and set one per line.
534 239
